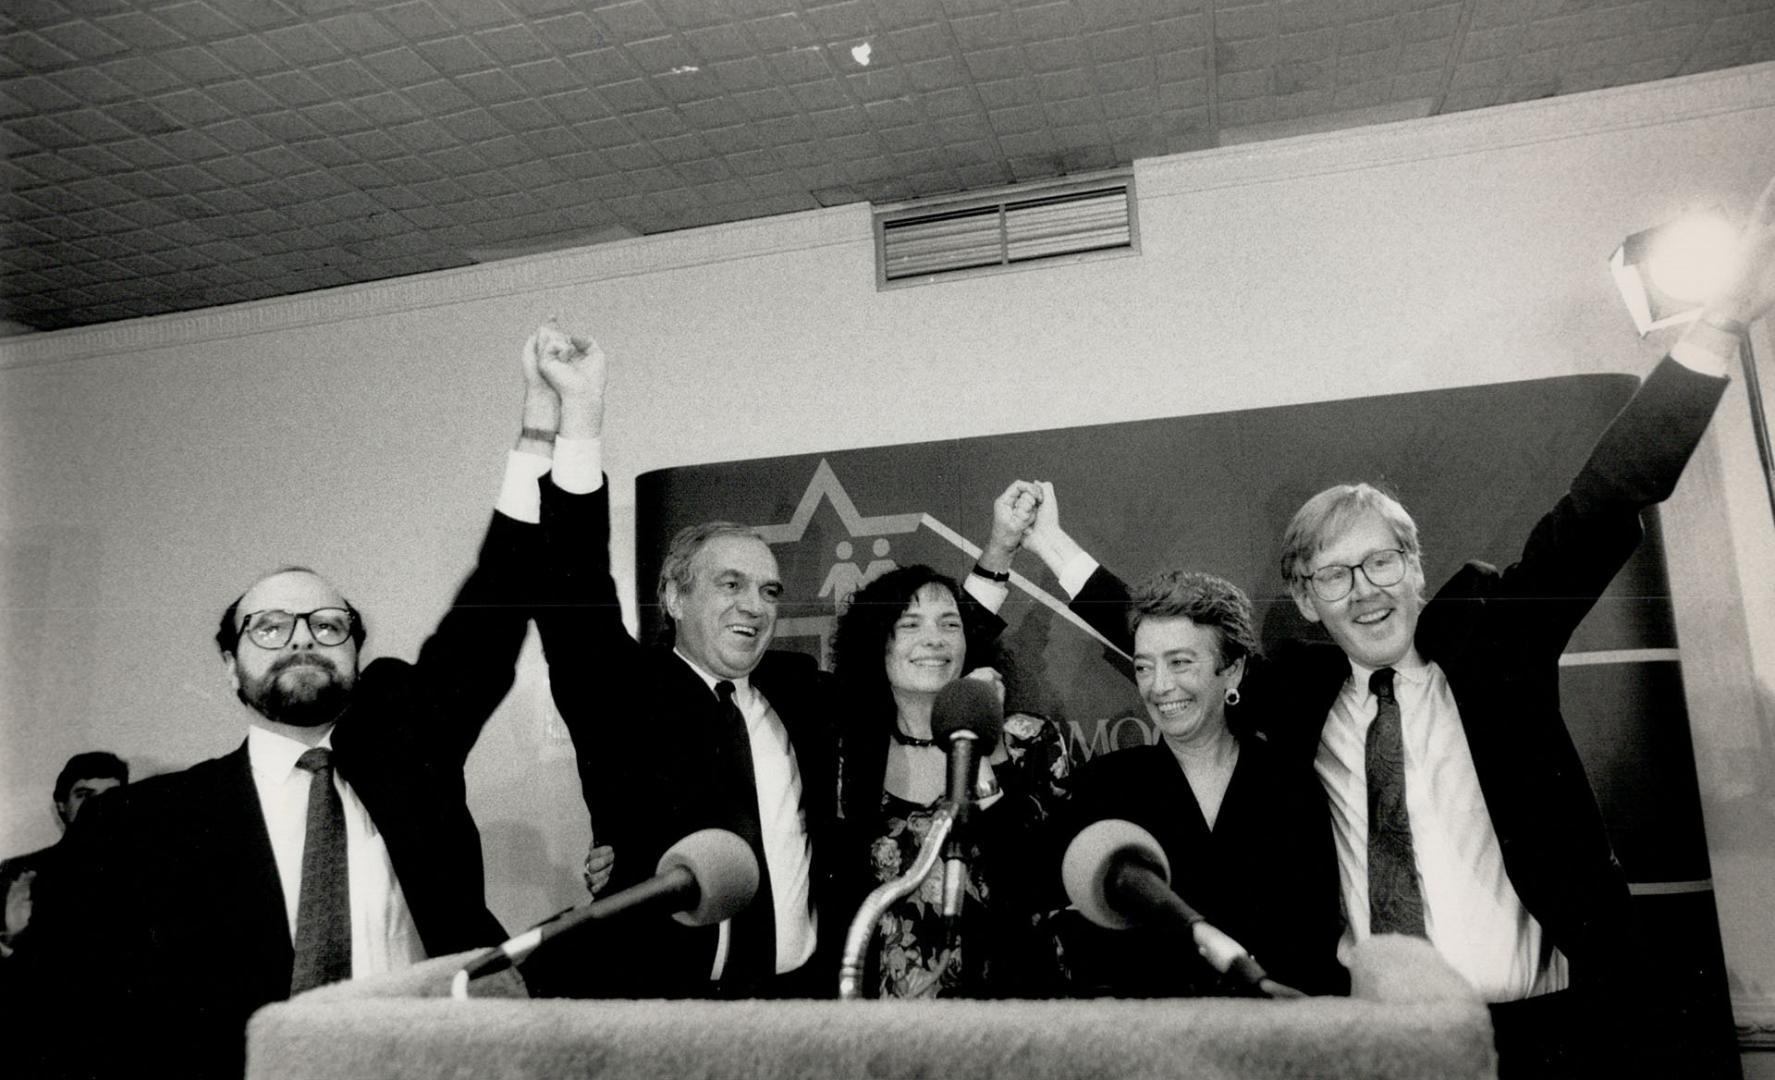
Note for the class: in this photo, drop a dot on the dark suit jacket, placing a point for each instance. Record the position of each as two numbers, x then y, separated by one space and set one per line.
1266 874
41 865
646 731
1497 636
167 925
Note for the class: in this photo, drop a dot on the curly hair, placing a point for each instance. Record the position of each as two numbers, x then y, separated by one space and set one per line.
1203 599
859 645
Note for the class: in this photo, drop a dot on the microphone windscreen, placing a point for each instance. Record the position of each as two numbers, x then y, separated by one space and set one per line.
725 870
968 705
1094 853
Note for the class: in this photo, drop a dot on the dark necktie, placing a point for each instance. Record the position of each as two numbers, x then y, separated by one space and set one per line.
752 937
1395 903
323 909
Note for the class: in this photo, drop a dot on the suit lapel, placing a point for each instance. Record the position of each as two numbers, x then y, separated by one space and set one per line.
243 851
1175 795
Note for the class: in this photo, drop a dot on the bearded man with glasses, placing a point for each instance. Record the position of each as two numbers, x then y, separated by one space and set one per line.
336 841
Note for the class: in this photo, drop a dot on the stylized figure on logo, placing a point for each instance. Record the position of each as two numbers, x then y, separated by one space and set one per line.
882 564
844 578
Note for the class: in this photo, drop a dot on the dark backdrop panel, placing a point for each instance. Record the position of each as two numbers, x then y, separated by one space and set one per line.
1476 465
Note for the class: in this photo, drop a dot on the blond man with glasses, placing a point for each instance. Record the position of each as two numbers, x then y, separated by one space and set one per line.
1460 809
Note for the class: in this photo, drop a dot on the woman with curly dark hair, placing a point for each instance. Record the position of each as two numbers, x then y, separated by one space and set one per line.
905 636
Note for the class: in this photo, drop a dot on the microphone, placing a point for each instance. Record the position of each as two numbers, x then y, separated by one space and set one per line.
704 878
1117 875
967 719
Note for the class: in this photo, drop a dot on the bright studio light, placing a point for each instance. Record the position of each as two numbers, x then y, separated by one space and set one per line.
1692 259
1667 272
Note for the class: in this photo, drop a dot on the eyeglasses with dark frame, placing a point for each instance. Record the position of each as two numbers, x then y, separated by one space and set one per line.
1382 568
273 628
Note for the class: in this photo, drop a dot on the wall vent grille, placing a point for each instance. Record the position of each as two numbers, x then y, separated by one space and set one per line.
918 243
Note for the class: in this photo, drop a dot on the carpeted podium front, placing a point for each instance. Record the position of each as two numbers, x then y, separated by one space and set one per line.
1409 1016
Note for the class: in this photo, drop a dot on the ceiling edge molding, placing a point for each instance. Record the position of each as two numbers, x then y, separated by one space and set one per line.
1525 123
707 245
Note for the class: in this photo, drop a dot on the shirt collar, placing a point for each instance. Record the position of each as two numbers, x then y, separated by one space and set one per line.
742 686
1410 669
273 755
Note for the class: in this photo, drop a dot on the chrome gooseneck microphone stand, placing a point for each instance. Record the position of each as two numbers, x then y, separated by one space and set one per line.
862 928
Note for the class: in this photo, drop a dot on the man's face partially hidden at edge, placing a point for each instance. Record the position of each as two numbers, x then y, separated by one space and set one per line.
80 791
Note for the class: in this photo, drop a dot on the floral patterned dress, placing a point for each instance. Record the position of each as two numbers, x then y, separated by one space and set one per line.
998 937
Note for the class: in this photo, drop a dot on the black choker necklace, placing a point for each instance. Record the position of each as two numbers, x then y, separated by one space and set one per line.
909 740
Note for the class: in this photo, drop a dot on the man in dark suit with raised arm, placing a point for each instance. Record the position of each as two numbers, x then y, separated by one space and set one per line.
715 730
335 841
1460 807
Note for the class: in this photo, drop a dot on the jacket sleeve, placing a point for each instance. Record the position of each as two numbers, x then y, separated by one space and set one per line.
590 653
1576 549
1103 603
468 664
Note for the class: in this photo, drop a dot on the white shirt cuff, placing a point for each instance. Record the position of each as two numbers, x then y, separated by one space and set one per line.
989 593
1076 572
519 497
579 465
1690 353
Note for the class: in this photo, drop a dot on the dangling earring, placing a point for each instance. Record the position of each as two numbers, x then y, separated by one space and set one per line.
1232 695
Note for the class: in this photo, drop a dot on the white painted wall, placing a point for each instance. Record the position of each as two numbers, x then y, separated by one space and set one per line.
150 470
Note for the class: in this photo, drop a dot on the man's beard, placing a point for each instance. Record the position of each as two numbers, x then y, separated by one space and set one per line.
305 704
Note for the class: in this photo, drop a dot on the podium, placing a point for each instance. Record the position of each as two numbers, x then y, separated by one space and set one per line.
1409 1016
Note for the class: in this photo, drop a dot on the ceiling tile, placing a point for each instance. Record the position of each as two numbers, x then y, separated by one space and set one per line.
358 32
306 47
492 122
248 55
139 30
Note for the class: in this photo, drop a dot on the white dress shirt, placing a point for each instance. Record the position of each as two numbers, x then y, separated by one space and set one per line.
383 937
1471 911
578 467
787 851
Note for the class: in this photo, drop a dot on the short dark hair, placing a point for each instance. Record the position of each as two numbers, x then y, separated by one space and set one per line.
91 765
682 551
228 634
1203 599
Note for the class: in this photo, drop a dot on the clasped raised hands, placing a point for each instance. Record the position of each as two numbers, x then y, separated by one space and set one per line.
567 372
